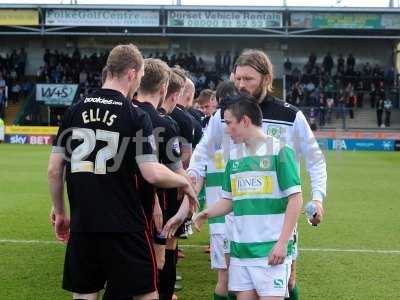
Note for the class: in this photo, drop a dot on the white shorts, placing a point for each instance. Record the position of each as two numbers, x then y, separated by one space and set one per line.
228 233
268 281
217 248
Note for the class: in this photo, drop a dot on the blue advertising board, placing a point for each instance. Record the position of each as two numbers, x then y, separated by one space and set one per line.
357 144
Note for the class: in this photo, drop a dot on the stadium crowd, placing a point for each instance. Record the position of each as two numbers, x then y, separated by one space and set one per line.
340 87
13 83
60 67
325 90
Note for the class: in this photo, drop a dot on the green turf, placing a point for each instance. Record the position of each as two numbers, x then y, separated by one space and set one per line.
362 212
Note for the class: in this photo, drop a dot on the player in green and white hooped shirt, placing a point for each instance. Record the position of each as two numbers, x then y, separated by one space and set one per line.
262 187
215 168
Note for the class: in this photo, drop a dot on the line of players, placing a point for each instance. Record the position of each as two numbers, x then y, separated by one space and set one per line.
127 217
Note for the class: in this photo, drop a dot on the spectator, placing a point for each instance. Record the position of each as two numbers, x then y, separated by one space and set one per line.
329 108
218 62
2 102
359 88
351 61
328 63
350 104
340 111
288 66
388 109
312 119
15 91
26 87
2 130
340 64
312 59
379 111
373 95
321 109
83 76
227 62
297 94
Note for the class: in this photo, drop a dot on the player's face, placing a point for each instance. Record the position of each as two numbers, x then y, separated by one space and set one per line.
209 107
248 80
234 128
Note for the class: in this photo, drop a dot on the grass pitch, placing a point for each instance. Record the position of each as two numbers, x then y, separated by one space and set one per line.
338 260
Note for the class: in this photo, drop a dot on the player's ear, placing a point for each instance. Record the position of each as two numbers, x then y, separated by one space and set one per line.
163 88
246 121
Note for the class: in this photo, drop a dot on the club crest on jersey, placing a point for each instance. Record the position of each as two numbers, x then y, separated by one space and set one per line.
175 148
274 131
265 163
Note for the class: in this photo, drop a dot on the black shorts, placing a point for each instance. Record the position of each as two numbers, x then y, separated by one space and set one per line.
122 263
170 205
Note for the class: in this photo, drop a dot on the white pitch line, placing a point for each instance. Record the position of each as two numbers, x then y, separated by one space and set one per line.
351 250
375 251
28 242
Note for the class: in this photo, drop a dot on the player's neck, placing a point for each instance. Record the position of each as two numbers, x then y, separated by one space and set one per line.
255 138
153 99
167 107
117 86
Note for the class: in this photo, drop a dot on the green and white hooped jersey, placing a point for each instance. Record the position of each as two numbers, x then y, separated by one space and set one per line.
259 186
214 177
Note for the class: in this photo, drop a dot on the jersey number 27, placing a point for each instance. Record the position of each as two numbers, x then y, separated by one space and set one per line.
89 137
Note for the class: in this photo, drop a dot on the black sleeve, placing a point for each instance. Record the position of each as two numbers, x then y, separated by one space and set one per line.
187 131
143 139
170 152
64 132
198 133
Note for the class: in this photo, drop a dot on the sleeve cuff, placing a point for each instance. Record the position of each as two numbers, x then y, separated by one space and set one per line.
318 196
195 173
146 158
187 146
292 190
58 149
226 195
175 165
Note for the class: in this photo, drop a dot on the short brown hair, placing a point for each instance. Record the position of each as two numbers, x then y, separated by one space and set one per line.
260 62
156 73
123 57
176 81
205 96
246 105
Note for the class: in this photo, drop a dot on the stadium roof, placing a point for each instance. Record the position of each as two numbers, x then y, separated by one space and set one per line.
203 7
284 30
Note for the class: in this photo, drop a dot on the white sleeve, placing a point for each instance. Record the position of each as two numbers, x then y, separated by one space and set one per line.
209 143
308 147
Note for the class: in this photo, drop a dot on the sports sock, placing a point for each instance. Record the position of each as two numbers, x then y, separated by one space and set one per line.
168 276
294 293
231 296
219 297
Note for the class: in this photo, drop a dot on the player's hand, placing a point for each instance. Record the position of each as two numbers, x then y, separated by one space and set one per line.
199 219
157 215
192 197
172 225
278 254
61 227
52 216
319 215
